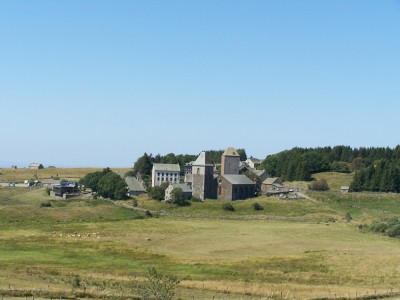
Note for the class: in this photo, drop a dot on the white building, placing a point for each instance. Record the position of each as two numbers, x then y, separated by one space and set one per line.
165 173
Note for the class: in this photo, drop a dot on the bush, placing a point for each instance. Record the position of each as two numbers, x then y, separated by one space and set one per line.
348 217
148 214
157 285
48 190
318 185
394 231
378 228
228 207
156 193
76 282
195 199
45 204
257 206
178 198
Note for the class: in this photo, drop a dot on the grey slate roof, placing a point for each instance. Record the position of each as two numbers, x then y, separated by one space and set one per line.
202 160
134 184
167 167
270 180
238 179
254 160
183 186
258 172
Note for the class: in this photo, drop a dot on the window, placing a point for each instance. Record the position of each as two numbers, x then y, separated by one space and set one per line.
198 171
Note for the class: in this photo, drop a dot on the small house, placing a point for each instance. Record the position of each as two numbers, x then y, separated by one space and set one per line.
272 186
235 187
135 186
186 189
35 166
344 189
65 190
252 162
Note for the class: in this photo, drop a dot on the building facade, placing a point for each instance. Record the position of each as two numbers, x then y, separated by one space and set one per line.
230 161
165 173
204 184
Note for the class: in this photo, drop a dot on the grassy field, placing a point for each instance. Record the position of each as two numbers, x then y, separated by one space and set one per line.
334 180
19 175
288 248
297 249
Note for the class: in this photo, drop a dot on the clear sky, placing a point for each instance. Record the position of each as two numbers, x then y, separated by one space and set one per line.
98 83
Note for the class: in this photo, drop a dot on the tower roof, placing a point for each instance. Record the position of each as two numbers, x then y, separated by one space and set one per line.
202 160
231 152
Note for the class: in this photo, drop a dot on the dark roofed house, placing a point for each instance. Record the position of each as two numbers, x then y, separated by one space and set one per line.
262 175
235 187
65 190
35 166
135 187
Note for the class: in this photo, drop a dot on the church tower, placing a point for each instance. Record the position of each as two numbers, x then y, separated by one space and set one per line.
230 161
203 181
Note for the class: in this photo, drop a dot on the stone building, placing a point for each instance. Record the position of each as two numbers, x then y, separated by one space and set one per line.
235 187
230 161
165 173
204 184
186 190
231 185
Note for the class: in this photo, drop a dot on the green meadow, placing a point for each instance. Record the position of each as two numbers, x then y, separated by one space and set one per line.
294 249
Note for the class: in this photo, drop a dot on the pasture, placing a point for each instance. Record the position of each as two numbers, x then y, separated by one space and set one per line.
288 248
70 174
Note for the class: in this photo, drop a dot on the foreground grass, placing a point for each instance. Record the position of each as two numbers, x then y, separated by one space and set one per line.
108 245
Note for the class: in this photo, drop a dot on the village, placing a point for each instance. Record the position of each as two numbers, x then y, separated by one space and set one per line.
233 179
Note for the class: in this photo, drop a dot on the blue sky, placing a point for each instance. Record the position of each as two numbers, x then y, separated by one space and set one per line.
98 83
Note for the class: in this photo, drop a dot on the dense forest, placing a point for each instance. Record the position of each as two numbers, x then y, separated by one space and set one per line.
376 168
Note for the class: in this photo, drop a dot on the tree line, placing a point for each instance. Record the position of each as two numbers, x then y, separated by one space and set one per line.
301 163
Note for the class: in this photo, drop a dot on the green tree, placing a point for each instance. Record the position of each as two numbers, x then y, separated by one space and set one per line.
157 192
112 186
178 198
91 180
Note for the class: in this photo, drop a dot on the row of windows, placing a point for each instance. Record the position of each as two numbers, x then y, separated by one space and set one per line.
167 174
170 180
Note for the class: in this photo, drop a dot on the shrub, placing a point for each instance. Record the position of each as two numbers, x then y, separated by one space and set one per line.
148 214
195 199
45 204
76 282
48 190
394 231
318 185
378 227
228 207
158 285
348 217
178 198
393 222
156 193
257 206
